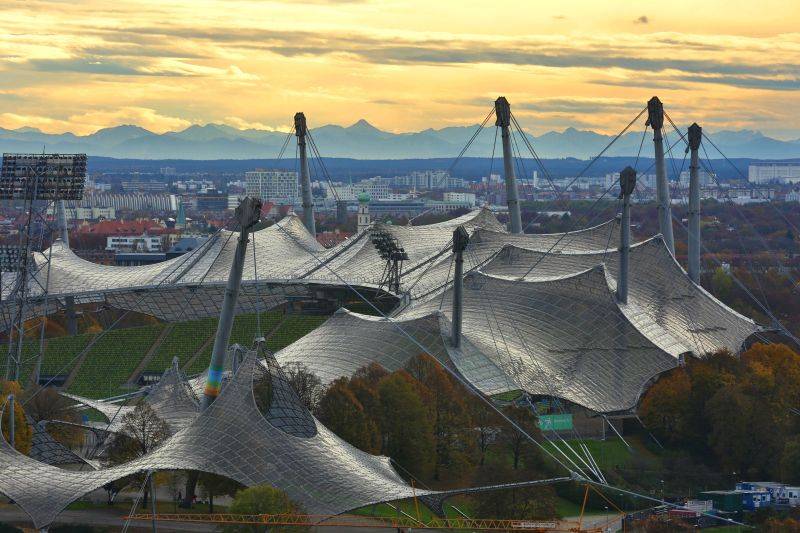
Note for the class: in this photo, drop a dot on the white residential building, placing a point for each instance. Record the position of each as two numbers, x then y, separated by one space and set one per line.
427 179
133 243
87 213
276 186
467 198
377 188
774 172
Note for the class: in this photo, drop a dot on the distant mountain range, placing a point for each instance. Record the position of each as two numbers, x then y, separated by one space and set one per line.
364 141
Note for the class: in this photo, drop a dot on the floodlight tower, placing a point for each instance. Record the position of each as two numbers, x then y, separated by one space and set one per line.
503 112
301 130
627 183
248 214
460 242
40 181
655 118
695 136
394 255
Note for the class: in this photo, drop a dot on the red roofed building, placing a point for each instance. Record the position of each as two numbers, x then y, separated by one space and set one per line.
121 227
329 239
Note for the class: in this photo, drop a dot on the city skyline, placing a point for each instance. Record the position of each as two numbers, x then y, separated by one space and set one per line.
81 66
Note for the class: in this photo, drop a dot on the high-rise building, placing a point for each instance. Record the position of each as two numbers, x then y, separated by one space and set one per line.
276 186
774 172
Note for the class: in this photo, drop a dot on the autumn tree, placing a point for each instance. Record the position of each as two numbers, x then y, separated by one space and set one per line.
517 436
447 404
732 412
22 432
342 413
408 431
48 405
141 431
665 408
486 424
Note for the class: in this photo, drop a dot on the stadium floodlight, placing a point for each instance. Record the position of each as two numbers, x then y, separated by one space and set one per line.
42 176
10 258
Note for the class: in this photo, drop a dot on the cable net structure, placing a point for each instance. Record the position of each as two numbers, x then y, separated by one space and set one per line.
539 315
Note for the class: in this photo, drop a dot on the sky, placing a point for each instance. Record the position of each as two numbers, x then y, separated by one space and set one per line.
72 65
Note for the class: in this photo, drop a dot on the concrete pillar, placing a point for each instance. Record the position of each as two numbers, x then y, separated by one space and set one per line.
655 118
627 183
305 178
503 113
11 421
695 135
460 242
248 214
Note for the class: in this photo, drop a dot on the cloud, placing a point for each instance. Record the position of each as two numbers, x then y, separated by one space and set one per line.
652 53
642 20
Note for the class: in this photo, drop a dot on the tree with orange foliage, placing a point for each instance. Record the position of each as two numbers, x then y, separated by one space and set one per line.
342 413
736 411
665 407
22 432
445 399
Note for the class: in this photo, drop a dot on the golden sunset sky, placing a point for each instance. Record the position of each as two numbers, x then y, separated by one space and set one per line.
72 65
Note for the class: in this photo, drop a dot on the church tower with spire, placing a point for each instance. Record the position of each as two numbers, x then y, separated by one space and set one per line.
363 211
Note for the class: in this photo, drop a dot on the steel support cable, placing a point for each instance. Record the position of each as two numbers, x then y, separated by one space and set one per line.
536 157
446 281
743 216
610 233
742 245
321 162
641 144
548 384
285 143
738 171
563 235
587 167
425 350
139 497
688 311
491 161
747 291
735 279
491 314
522 172
100 335
709 169
477 132
603 151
